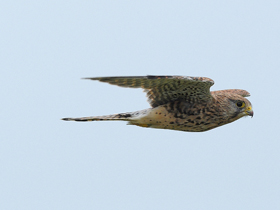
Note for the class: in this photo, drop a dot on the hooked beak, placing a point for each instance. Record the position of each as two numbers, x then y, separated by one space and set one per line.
249 111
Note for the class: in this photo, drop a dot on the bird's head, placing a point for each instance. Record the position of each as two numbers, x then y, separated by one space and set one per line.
240 106
234 103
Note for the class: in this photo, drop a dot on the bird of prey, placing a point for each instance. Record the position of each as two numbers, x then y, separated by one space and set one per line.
179 103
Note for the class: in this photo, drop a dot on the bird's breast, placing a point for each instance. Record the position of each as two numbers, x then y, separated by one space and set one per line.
181 116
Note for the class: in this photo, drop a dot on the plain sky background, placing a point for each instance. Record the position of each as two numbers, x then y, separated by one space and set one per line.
47 46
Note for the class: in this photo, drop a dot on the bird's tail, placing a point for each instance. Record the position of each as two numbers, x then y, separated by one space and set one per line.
122 116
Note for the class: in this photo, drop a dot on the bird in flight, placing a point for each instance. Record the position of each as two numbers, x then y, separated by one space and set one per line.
181 103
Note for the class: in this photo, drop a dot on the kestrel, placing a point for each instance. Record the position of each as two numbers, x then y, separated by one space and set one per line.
180 103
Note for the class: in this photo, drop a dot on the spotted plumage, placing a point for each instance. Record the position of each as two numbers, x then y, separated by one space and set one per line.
179 103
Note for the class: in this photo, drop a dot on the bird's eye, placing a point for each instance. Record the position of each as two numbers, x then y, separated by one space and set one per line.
240 104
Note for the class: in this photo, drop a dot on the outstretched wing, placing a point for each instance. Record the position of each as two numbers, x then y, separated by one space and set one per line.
163 89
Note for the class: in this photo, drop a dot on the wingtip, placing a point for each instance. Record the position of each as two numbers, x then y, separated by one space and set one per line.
245 93
91 78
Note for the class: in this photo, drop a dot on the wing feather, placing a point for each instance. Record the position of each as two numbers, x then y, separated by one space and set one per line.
164 89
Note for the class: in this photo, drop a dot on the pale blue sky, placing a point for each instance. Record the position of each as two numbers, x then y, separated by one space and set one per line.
47 46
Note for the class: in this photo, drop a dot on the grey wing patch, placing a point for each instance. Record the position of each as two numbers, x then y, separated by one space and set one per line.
163 89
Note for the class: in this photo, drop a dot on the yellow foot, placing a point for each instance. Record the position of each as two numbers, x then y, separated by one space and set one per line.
144 125
141 125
